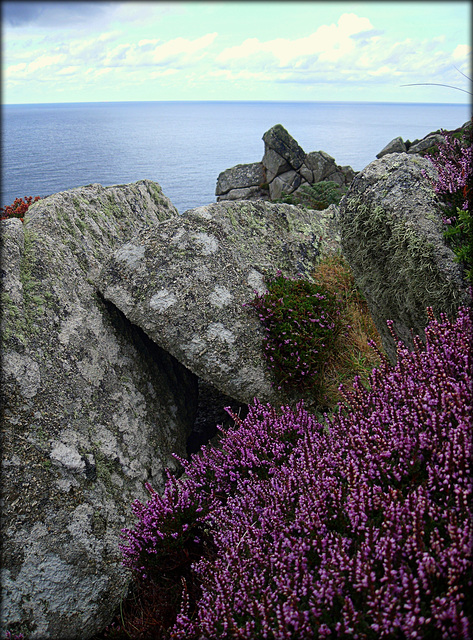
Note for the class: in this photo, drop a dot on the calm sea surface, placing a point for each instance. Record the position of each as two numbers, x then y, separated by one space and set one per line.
183 146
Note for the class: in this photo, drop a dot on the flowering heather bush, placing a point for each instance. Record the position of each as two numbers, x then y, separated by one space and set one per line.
18 208
357 527
454 163
302 322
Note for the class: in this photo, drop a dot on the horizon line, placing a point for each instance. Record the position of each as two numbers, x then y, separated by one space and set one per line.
20 104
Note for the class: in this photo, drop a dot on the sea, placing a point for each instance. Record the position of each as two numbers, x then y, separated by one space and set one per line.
47 148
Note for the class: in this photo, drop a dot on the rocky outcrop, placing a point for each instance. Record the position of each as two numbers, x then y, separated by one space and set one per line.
391 227
186 281
92 409
284 169
419 147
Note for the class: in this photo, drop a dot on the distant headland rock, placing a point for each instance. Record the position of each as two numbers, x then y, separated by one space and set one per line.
285 167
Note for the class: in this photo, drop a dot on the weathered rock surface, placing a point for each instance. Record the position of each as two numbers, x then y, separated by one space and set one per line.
285 167
391 226
92 409
185 282
426 143
278 140
241 176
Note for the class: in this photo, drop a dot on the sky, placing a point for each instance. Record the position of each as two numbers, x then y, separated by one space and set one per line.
279 51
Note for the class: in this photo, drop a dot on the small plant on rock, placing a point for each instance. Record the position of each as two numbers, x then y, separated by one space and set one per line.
18 208
302 322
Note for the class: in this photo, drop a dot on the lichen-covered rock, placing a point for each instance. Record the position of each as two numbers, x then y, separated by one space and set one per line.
185 283
426 143
395 146
91 410
274 164
391 227
242 176
245 193
279 141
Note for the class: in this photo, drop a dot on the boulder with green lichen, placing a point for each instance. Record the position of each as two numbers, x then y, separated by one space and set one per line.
185 283
91 410
390 223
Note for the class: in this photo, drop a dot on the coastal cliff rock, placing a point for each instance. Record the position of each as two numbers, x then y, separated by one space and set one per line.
186 281
391 227
92 409
285 167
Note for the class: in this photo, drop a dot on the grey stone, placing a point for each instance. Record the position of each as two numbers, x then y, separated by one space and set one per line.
392 236
306 174
92 409
284 167
207 264
349 173
274 164
285 183
395 146
248 193
279 140
338 177
316 162
426 143
239 177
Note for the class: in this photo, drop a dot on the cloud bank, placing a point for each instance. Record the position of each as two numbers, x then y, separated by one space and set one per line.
349 52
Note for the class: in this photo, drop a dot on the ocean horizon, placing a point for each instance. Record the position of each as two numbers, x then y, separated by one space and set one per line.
184 145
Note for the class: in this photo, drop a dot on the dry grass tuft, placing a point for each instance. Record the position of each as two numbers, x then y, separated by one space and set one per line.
353 355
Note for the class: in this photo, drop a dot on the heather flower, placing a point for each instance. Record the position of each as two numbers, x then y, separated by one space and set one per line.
301 321
454 164
357 526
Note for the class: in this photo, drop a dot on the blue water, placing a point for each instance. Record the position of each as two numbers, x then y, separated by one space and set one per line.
183 146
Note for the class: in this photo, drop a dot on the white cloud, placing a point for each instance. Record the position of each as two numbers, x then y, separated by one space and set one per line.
182 47
45 61
462 51
328 42
162 73
67 71
132 43
155 52
15 70
351 50
92 45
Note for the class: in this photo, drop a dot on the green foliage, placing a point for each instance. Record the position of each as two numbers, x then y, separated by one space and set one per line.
316 196
302 323
459 236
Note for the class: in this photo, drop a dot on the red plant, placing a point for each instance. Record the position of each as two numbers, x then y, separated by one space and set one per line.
18 208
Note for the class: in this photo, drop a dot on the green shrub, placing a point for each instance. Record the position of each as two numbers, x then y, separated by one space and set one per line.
302 323
315 196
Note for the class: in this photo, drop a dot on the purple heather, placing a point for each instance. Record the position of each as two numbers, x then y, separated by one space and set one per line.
357 526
